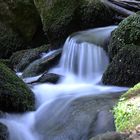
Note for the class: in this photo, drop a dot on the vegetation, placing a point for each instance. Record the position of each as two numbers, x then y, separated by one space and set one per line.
124 68
15 96
127 111
128 32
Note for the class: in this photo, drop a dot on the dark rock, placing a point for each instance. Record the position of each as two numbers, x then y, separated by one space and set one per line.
111 136
49 78
15 96
128 32
60 18
71 119
43 64
124 69
104 123
21 16
21 59
4 134
10 41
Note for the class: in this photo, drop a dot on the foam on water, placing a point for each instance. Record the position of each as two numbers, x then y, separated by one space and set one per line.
82 63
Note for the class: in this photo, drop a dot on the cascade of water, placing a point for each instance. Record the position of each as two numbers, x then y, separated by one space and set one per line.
83 54
83 58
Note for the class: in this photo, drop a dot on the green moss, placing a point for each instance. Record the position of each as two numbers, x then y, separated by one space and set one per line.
124 68
92 15
21 15
6 62
128 32
15 96
21 59
127 111
9 41
60 18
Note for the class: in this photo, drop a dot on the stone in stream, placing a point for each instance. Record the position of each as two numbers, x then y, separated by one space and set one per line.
72 119
49 77
4 134
43 64
104 123
21 59
15 96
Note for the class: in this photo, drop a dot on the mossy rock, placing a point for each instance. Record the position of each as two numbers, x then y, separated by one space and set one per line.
15 96
21 15
128 32
4 134
41 65
60 18
6 62
21 59
10 41
127 111
93 13
124 70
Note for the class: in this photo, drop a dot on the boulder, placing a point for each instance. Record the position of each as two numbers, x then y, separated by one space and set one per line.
10 41
73 118
49 78
43 64
111 136
21 59
20 15
15 96
60 18
127 111
128 32
4 134
124 68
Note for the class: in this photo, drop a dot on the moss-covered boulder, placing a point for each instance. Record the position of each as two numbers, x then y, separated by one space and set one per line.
10 41
93 13
6 62
21 59
43 64
127 111
124 70
15 96
58 17
128 32
21 15
4 134
62 17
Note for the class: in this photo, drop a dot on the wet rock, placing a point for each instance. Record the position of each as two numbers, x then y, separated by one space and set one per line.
15 96
111 136
4 134
124 68
71 119
60 18
49 78
104 123
43 64
21 59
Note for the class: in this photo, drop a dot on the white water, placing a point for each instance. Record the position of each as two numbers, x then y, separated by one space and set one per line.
82 63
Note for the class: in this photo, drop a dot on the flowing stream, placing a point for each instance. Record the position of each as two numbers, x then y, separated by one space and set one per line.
82 64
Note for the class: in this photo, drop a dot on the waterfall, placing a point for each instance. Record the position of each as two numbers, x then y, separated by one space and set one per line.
82 63
83 54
